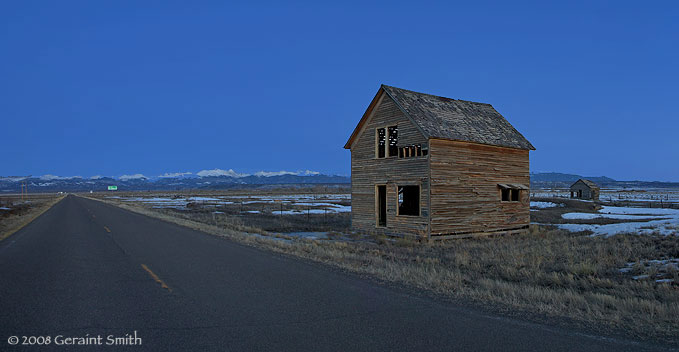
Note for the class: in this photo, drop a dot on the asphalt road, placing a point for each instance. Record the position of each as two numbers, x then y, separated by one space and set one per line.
88 269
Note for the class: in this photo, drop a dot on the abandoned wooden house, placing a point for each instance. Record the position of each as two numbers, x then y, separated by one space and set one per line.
585 189
435 167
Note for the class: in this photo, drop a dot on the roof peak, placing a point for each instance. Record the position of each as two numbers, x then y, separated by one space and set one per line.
433 95
452 119
587 182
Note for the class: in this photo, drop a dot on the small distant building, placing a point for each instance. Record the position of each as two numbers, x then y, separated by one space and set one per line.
585 189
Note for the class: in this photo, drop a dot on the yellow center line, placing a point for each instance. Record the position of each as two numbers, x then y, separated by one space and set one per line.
155 277
107 229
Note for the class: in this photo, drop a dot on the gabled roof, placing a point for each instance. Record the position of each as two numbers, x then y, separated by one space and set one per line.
587 183
445 118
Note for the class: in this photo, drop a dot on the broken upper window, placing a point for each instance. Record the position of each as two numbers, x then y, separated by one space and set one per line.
393 140
414 150
381 142
409 200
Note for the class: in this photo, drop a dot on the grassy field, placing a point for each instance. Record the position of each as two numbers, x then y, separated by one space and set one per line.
620 284
15 212
319 209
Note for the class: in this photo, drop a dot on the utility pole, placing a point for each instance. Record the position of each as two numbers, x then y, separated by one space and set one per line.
24 187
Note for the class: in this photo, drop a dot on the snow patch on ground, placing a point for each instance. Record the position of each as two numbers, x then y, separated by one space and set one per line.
203 199
543 205
638 211
668 225
589 216
321 203
616 194
662 269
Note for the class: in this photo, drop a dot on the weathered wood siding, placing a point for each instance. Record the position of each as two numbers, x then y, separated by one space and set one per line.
368 171
465 197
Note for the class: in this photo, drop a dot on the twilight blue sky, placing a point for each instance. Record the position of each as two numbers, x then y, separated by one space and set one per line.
124 87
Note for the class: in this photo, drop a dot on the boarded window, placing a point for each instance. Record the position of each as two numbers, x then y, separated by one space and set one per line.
381 142
412 151
393 140
409 200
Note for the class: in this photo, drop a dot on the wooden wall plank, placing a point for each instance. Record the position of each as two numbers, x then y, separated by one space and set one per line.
464 187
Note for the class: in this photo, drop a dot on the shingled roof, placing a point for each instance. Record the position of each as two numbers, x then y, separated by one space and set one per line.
588 183
452 119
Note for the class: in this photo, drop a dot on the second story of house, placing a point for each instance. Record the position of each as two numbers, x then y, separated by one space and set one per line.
399 123
387 133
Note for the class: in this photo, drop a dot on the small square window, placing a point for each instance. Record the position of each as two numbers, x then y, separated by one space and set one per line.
510 193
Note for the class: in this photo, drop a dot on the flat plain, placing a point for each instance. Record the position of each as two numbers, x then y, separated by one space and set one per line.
569 268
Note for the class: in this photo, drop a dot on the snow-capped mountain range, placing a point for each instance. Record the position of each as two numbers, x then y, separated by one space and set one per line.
208 179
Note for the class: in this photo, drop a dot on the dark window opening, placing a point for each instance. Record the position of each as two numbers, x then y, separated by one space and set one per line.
409 200
381 142
505 194
393 140
515 195
382 206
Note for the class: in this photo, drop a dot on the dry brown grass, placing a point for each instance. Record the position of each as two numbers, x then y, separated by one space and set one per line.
545 273
22 213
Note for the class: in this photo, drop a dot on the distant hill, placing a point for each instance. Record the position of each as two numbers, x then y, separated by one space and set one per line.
220 179
560 180
79 184
559 177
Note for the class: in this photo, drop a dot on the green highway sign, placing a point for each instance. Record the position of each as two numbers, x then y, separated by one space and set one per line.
112 188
